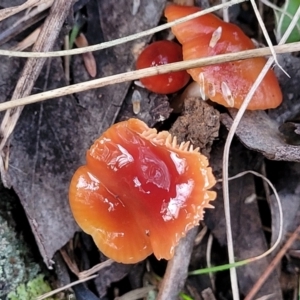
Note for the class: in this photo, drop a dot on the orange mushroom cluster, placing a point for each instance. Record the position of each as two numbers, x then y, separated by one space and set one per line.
226 83
140 192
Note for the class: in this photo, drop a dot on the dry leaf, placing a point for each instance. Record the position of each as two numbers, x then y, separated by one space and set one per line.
88 57
259 132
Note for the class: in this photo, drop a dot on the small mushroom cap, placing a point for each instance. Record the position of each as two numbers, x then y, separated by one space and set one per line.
140 192
161 53
226 83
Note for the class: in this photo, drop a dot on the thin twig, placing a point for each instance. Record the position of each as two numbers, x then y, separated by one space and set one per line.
200 235
225 13
281 19
283 12
83 277
10 11
120 40
95 268
266 35
63 288
277 198
134 75
273 264
71 265
208 259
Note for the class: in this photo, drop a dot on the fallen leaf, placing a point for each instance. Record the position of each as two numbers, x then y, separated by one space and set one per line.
88 57
259 132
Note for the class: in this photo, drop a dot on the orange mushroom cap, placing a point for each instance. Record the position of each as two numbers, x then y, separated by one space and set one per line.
140 192
226 83
161 53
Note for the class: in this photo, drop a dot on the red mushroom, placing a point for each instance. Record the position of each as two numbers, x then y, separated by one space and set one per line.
161 53
226 83
140 192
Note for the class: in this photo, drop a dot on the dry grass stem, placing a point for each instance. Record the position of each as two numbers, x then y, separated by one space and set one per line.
266 35
67 60
225 13
231 133
10 11
29 40
120 40
134 75
95 269
208 260
200 235
71 265
280 234
282 11
277 198
65 287
83 277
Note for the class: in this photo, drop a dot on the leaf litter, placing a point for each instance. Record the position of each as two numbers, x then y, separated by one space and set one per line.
51 138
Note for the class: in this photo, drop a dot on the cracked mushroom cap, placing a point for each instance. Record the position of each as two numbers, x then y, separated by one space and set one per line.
226 83
140 192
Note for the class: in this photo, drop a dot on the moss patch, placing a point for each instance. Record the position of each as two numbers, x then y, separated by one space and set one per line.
34 288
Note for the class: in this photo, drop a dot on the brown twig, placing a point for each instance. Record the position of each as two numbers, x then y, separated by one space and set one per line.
273 264
69 262
95 269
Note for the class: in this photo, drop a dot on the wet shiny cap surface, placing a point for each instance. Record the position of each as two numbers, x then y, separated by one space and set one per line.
140 192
